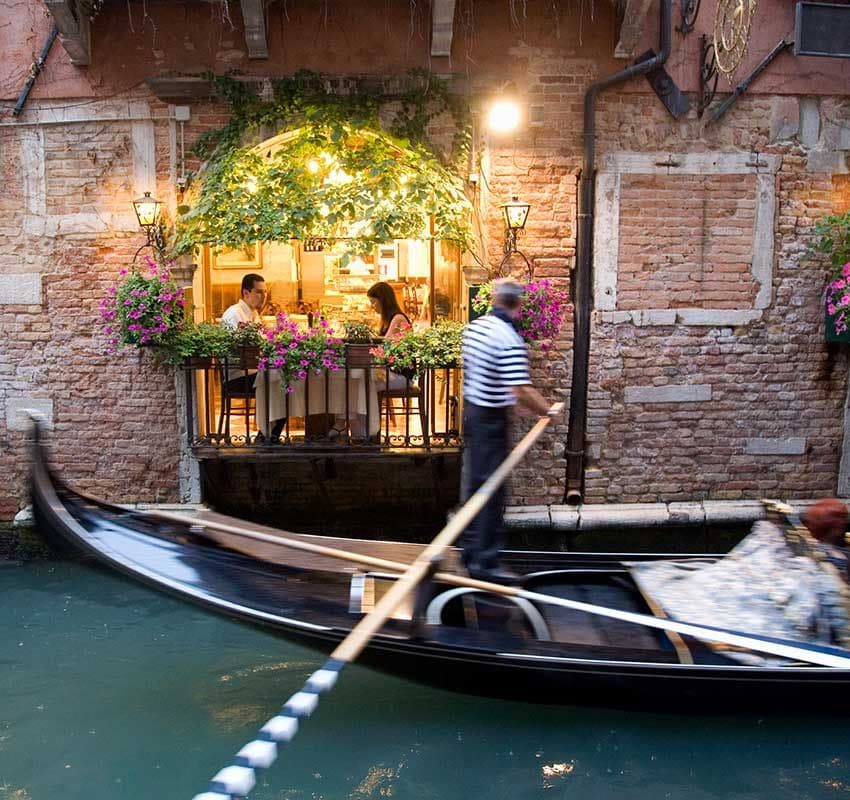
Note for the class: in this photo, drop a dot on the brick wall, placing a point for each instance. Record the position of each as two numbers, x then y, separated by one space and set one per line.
686 240
678 408
68 229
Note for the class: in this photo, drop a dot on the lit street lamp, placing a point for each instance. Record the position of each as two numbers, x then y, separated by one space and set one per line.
149 211
515 214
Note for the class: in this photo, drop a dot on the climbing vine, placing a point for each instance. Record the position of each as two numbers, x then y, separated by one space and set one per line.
335 171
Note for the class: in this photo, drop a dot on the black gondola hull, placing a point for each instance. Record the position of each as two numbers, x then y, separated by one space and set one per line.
514 668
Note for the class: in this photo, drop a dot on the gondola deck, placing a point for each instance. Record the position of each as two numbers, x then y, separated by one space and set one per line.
481 644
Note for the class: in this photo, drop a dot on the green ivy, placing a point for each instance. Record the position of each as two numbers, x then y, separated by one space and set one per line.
832 238
340 174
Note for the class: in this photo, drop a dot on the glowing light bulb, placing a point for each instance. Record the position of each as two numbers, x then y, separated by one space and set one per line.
251 185
504 116
313 166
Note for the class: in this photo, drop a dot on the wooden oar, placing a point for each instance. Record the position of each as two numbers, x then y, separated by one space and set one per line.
237 780
784 648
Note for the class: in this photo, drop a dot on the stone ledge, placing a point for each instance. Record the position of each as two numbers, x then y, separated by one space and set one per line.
519 517
648 515
698 317
680 393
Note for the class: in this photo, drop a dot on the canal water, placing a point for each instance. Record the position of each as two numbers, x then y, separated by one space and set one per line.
110 690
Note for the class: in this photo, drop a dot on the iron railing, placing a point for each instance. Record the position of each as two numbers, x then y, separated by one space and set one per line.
360 406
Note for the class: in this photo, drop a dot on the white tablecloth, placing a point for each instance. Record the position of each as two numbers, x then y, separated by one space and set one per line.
357 397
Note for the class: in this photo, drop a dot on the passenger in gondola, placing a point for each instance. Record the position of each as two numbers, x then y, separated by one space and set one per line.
826 520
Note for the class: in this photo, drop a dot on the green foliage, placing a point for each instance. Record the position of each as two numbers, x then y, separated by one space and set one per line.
197 341
337 173
358 333
415 351
208 340
442 344
833 240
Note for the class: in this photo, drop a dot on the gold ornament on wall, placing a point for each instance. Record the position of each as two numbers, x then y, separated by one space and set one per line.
732 24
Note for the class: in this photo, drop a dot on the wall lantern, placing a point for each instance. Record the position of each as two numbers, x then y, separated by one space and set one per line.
149 211
515 213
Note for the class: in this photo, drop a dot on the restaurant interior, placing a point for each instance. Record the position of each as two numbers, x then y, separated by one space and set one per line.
308 279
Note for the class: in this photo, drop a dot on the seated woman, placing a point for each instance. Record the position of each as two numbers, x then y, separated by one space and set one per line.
394 322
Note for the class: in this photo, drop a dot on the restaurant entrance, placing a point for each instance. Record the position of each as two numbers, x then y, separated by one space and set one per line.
322 213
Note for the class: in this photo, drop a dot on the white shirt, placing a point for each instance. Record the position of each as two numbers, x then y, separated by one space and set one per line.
240 312
495 359
231 318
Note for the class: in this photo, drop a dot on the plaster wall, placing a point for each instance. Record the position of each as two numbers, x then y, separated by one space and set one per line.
133 42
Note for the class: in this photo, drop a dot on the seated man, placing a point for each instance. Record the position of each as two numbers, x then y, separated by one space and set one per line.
247 309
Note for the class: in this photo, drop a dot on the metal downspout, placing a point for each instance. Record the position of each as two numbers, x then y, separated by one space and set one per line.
36 67
582 275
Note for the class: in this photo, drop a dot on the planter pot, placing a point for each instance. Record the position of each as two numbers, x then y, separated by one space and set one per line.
831 335
198 362
357 355
243 358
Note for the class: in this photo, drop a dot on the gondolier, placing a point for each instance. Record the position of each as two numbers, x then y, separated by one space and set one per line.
495 377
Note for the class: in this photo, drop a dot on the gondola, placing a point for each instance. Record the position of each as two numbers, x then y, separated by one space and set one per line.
463 640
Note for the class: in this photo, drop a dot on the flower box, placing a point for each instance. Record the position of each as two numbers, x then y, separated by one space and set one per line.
831 334
198 362
357 355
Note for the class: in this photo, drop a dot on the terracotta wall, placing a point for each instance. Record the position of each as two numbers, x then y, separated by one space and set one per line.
767 384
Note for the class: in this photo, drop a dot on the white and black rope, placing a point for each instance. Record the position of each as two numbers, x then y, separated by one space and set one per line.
237 779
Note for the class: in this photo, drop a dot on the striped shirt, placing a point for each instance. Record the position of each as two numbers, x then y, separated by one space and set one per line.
495 358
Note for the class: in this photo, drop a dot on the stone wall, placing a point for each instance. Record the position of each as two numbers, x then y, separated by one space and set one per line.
709 377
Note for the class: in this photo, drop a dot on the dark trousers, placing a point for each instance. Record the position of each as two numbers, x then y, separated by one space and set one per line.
485 447
244 385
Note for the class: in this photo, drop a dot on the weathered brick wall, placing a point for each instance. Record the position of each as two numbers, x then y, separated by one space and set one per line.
66 234
677 410
681 411
685 241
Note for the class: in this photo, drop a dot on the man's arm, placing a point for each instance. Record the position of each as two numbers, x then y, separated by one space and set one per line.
528 396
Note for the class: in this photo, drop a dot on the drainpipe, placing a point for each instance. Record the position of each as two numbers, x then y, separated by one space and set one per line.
36 67
582 275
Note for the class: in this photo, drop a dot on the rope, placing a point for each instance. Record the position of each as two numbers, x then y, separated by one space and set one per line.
239 778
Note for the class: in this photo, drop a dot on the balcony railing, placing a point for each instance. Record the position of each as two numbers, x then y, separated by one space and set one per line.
361 406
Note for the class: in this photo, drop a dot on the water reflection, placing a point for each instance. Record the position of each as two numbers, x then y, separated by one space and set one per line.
109 690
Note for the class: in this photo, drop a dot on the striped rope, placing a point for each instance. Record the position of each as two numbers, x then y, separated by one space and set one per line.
239 778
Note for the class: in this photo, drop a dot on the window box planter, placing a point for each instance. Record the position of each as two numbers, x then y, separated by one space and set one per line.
357 355
831 335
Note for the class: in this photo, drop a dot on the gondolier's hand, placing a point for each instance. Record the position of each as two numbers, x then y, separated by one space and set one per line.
555 410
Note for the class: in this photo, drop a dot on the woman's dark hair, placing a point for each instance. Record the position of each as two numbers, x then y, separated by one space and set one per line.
384 294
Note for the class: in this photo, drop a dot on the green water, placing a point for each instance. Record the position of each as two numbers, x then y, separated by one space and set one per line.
109 690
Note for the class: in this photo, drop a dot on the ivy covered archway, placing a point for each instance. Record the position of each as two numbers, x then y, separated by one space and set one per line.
331 171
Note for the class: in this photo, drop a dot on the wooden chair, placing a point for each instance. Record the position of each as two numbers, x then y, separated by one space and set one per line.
236 400
387 407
